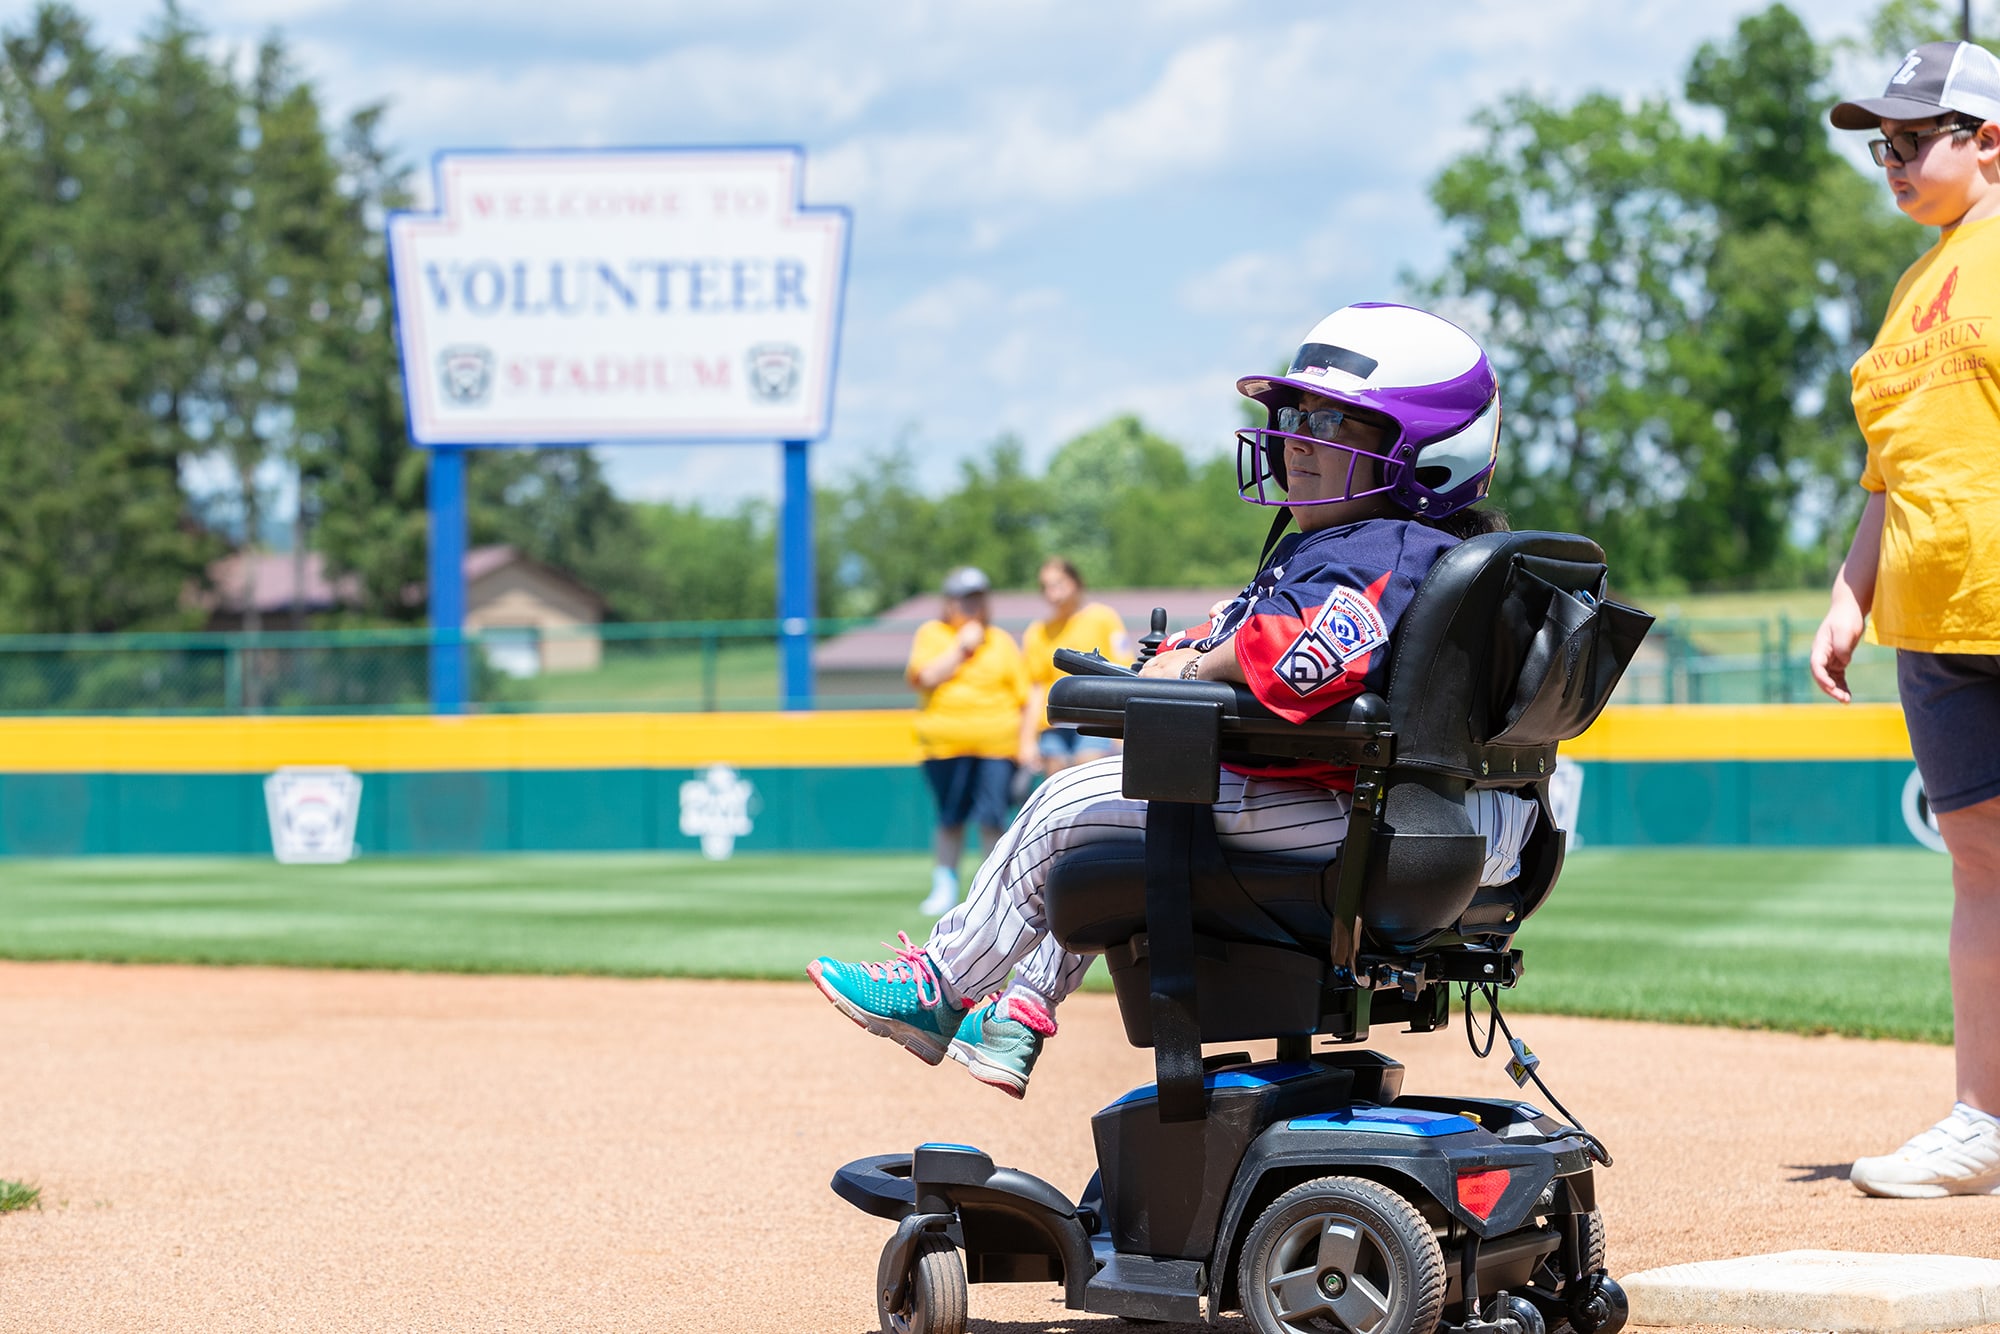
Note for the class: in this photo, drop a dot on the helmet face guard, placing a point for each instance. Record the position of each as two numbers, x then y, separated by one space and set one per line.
1261 477
1421 378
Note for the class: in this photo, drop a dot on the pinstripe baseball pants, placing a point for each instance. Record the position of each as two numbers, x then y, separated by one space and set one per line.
1000 928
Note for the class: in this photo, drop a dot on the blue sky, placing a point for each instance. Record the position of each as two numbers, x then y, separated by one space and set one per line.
1062 211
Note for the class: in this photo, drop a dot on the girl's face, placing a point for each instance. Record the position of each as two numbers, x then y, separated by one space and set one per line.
1945 177
1058 589
971 607
1313 473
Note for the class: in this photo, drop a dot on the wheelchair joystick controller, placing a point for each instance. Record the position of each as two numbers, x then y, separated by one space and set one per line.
1149 643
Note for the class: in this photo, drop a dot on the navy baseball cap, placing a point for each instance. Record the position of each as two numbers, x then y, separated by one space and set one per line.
964 581
1936 78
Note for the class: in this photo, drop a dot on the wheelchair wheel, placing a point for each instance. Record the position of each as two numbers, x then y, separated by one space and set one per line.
1342 1254
1593 1318
936 1304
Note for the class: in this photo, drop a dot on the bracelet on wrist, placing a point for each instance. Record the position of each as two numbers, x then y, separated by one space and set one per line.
1191 668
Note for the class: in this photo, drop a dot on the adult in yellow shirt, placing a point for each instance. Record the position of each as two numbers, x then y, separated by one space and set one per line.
972 687
1071 623
1925 560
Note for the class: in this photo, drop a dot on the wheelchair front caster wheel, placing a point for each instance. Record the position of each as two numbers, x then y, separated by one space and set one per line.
936 1301
1342 1253
1522 1314
1600 1308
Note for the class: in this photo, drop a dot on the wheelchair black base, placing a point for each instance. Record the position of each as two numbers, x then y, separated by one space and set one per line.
1161 1230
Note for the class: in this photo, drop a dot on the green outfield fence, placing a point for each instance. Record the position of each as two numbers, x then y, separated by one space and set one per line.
702 665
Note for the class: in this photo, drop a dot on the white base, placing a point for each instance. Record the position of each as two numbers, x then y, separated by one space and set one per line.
1821 1290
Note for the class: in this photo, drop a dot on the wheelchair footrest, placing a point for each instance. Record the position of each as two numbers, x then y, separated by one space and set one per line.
1142 1288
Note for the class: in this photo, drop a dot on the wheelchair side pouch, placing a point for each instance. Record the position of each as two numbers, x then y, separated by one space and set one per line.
1559 654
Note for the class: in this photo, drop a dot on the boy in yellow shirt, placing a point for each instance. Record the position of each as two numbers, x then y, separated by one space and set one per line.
972 688
1926 554
1071 623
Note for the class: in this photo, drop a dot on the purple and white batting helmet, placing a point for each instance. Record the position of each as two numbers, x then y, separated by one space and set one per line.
1421 377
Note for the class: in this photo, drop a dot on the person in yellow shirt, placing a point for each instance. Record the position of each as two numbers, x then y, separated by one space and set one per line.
1925 561
972 687
1071 623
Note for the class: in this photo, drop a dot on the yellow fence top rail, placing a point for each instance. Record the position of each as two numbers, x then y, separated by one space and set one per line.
483 741
793 740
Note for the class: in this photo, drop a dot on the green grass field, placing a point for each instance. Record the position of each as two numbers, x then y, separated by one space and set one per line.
1809 940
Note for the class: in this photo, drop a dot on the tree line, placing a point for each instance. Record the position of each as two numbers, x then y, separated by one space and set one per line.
193 285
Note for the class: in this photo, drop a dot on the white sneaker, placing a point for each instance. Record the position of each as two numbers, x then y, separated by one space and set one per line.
944 893
1960 1155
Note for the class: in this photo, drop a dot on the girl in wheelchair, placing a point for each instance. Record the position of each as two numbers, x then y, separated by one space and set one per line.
1380 440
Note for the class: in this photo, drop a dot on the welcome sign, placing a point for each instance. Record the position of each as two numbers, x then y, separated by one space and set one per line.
570 298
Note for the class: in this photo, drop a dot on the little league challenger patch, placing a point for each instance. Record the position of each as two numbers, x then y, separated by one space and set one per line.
1347 627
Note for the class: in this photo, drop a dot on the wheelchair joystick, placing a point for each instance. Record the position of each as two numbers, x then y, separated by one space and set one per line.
1149 643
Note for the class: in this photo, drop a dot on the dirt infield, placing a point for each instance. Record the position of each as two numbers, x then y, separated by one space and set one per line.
251 1149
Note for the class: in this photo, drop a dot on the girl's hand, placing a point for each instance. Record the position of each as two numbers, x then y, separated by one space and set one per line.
1833 648
1168 663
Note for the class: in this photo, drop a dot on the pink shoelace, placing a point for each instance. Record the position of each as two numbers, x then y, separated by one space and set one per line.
909 965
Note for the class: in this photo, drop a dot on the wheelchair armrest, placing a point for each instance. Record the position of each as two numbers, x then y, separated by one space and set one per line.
1355 731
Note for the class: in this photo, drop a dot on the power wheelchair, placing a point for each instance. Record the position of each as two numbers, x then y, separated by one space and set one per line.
1308 1190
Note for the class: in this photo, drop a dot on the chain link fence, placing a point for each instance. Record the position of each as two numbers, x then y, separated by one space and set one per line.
705 666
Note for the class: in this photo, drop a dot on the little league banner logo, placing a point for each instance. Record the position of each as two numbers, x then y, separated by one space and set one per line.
312 812
716 808
1347 627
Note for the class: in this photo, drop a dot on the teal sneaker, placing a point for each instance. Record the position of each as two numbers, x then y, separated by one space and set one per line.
999 1041
899 1000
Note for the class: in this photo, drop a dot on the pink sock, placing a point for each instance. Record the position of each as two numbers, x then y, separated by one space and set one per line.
1029 1007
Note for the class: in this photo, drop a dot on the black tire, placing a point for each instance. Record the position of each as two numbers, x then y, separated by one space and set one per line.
1341 1254
936 1303
1593 1260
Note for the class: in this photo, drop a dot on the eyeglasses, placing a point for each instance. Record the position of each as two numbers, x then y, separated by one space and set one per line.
1320 424
1904 145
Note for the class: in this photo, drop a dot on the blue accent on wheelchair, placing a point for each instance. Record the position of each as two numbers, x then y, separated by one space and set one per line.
1247 1077
1386 1121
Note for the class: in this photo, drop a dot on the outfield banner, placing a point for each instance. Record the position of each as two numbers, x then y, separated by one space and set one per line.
312 812
641 295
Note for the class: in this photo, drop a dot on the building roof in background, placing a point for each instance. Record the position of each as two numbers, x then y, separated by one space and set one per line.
273 575
884 645
481 562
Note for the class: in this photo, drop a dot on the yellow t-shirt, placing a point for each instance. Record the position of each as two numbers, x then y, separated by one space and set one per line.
1093 627
1927 395
977 711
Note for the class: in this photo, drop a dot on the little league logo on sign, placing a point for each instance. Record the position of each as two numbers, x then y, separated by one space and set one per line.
1347 627
715 808
774 371
312 813
467 373
567 298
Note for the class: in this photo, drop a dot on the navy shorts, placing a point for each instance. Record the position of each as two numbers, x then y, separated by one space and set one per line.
970 788
1951 702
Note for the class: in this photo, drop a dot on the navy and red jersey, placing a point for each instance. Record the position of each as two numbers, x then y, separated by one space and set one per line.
1311 627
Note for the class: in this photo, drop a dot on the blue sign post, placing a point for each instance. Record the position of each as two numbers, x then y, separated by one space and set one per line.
639 295
795 579
447 579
